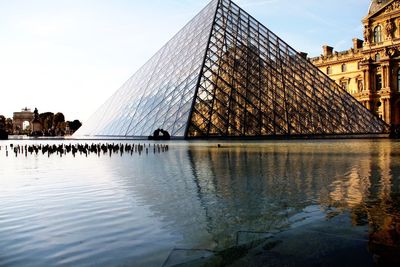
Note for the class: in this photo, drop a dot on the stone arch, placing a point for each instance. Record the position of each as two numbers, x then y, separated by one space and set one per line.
25 115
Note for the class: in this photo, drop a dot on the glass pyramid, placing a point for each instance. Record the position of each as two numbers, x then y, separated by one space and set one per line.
226 75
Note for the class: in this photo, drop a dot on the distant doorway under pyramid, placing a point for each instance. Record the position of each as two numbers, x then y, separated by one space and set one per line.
226 75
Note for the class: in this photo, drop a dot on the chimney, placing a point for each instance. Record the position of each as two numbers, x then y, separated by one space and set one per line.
327 50
357 43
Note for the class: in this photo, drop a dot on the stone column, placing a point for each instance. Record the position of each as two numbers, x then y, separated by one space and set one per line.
389 111
383 76
367 79
386 82
367 105
386 108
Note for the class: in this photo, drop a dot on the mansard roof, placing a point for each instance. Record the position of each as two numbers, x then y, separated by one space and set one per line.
382 7
376 5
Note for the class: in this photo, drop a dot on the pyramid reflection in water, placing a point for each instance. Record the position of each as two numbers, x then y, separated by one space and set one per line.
225 74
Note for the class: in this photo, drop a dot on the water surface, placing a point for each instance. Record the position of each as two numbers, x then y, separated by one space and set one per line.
134 210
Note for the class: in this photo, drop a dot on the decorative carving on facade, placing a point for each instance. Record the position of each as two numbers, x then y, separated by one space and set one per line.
390 51
360 86
389 29
394 6
367 34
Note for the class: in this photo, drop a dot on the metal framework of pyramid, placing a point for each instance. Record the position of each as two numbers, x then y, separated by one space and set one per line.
226 75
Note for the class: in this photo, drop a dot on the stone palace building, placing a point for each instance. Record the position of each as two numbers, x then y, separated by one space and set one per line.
370 70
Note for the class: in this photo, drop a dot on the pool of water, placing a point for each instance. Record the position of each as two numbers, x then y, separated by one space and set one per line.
136 210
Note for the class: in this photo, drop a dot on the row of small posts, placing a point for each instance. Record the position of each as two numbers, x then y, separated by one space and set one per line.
83 149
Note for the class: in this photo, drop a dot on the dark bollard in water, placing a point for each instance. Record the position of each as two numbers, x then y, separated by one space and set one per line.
85 149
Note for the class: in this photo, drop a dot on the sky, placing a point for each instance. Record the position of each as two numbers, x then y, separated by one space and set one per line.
70 56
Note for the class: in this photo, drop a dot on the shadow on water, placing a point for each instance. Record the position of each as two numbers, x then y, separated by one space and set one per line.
280 187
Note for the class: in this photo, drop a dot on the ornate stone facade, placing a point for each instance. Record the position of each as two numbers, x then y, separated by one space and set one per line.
24 118
370 70
19 118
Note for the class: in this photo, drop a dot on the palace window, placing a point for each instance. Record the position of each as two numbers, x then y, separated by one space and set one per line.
378 34
344 86
377 57
398 81
328 70
344 68
359 65
378 83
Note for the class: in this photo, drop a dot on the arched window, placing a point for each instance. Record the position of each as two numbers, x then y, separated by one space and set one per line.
377 57
328 70
344 68
359 65
398 81
378 34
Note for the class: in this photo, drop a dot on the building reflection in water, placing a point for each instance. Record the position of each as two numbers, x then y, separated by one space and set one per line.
207 194
371 192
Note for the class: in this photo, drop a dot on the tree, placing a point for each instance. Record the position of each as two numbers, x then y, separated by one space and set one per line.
2 122
3 133
74 125
59 123
58 119
9 125
47 121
